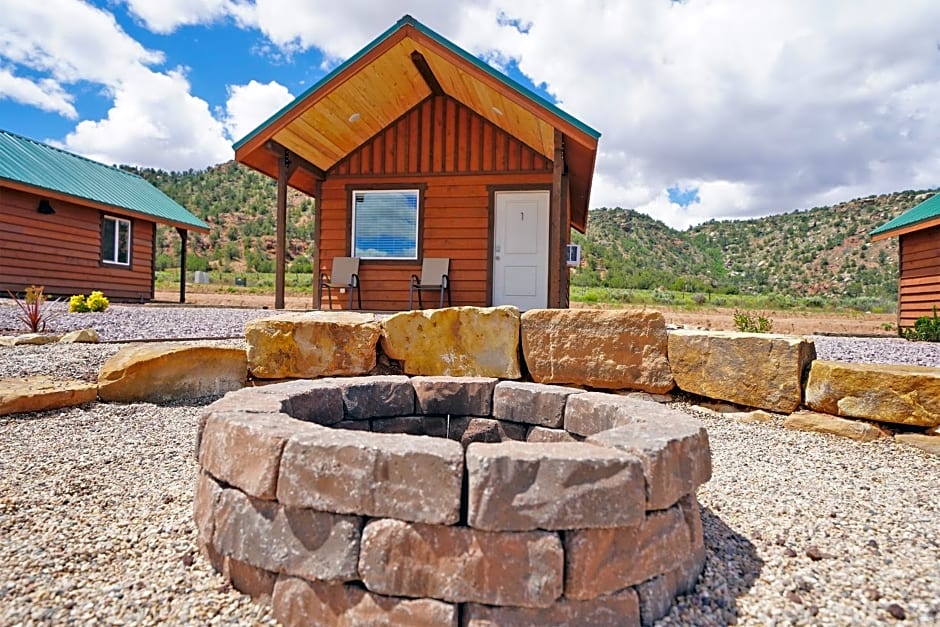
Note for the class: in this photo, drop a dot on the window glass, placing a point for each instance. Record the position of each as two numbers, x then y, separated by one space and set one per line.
116 241
385 224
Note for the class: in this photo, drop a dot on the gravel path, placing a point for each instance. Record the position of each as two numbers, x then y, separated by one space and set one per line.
95 507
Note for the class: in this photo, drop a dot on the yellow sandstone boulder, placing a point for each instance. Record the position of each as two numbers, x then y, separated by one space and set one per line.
41 393
456 341
312 344
752 369
598 348
168 371
907 395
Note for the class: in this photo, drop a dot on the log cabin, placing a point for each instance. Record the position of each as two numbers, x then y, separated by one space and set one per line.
415 148
918 233
73 225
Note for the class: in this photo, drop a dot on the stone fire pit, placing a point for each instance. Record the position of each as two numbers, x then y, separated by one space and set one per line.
420 500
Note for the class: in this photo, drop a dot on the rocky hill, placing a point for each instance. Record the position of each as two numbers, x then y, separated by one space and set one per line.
819 251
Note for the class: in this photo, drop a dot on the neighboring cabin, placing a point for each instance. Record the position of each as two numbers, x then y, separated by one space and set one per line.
918 231
73 225
415 148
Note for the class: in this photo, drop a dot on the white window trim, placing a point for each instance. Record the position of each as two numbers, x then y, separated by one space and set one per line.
117 240
404 190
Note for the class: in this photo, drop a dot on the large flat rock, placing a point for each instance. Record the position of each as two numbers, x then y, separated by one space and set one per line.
907 395
169 371
753 369
40 393
312 344
598 348
456 341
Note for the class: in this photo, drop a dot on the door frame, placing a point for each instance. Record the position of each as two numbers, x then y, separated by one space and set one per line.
491 230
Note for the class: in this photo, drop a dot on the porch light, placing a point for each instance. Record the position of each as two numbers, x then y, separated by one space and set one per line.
497 111
354 118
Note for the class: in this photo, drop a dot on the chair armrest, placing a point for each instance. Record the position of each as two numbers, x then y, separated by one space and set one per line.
445 280
324 277
415 280
354 280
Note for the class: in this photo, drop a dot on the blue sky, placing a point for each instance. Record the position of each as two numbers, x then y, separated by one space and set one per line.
707 108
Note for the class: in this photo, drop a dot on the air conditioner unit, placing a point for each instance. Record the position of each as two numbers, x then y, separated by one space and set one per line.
574 255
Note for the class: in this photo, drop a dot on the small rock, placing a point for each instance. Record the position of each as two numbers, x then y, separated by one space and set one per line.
872 594
188 559
815 554
897 611
789 552
793 597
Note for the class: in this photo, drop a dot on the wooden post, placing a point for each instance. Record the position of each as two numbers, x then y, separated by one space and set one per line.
315 257
558 222
184 237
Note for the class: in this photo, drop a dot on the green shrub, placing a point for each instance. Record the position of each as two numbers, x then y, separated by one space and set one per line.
747 322
698 298
77 304
97 301
925 329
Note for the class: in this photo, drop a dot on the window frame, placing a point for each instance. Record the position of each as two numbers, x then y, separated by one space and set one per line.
115 261
416 189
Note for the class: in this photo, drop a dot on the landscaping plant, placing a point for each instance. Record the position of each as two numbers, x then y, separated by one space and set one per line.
97 301
925 329
746 322
34 310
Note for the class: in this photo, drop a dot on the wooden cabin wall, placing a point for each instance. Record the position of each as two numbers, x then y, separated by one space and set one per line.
919 284
458 156
62 251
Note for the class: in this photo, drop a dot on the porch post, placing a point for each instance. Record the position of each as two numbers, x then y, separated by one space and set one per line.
558 222
315 256
184 237
283 174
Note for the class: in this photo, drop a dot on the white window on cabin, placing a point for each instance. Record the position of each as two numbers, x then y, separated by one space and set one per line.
116 241
385 224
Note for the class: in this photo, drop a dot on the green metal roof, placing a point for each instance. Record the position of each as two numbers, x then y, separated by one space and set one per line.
408 20
927 210
29 162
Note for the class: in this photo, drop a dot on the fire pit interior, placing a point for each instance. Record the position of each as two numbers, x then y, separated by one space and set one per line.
433 500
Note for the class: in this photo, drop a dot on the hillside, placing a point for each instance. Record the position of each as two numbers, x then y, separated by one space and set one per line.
820 251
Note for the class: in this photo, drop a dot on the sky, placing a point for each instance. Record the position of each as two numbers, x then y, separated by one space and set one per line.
708 109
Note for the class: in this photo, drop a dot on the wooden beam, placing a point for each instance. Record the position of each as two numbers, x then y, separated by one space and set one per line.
184 237
285 167
296 160
426 73
315 261
558 221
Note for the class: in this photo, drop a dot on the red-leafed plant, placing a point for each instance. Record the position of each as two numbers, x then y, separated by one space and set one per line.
34 310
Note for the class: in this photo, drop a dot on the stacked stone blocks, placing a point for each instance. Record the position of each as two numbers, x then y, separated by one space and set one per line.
465 519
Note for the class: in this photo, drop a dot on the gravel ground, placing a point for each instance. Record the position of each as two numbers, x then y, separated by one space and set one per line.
95 506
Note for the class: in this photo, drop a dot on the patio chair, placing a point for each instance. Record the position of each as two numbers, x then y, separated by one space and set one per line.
433 277
345 275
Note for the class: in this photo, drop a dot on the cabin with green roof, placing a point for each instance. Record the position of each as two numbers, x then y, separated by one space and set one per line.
414 148
918 233
73 225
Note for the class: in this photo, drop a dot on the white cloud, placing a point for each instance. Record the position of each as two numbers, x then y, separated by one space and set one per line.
168 15
251 104
46 94
154 122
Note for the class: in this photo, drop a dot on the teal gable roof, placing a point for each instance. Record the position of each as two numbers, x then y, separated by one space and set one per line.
32 163
925 211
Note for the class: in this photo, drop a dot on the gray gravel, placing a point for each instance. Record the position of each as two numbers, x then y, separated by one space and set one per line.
95 506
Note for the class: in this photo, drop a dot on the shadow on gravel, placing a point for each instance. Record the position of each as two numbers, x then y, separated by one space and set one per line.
732 565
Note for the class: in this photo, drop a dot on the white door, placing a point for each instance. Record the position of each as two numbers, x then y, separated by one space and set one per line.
520 250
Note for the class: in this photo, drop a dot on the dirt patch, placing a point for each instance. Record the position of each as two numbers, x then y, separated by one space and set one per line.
720 319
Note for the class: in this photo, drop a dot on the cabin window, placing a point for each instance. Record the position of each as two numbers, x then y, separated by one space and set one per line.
385 224
116 241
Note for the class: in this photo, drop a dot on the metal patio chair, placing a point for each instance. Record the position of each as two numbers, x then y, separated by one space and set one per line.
433 278
345 275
